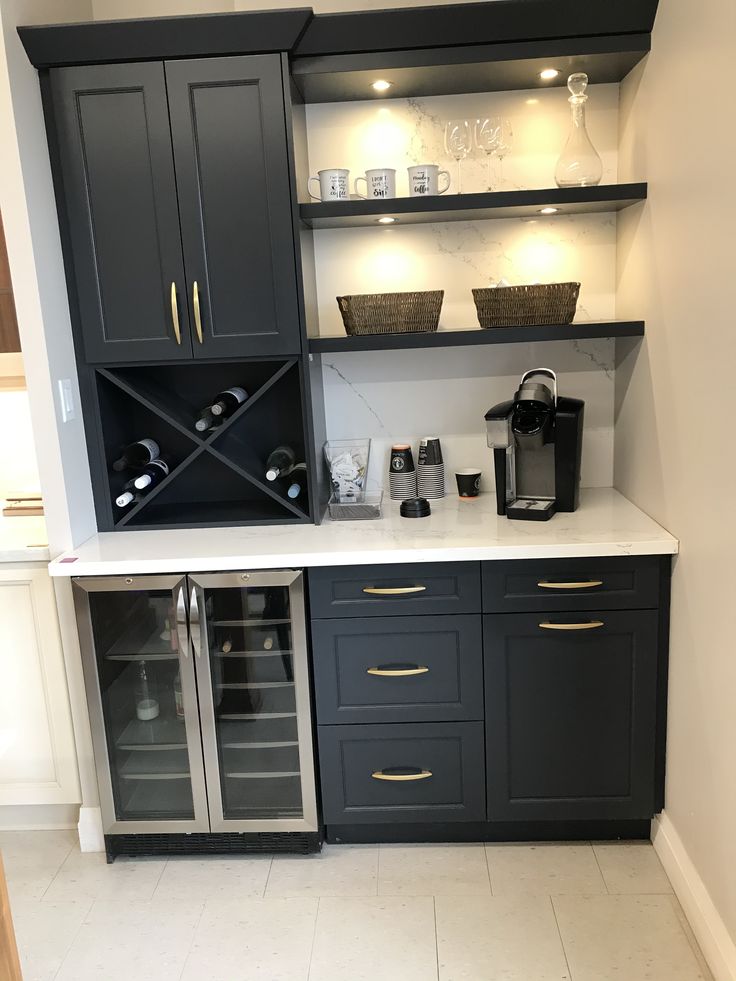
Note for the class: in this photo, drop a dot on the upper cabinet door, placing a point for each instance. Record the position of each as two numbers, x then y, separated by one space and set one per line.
229 134
120 194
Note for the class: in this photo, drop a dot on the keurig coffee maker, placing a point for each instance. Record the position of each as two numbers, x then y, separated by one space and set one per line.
537 442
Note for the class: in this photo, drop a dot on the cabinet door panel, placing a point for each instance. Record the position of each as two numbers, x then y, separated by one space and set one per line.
570 715
228 128
120 195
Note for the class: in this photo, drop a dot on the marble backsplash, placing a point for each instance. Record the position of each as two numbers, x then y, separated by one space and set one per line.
400 396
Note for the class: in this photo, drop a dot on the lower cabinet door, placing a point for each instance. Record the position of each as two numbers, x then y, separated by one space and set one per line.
570 715
405 772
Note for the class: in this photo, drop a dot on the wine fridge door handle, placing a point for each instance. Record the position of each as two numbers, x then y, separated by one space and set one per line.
194 623
197 312
181 623
175 314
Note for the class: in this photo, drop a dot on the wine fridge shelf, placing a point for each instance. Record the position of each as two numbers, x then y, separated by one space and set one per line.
215 478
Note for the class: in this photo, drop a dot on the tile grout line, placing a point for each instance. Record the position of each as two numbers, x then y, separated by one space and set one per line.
191 942
314 938
605 883
488 870
73 939
559 934
436 938
378 870
55 875
268 878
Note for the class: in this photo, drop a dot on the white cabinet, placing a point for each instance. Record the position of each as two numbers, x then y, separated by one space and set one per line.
37 751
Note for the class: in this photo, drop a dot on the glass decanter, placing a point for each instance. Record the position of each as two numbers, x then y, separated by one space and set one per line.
579 164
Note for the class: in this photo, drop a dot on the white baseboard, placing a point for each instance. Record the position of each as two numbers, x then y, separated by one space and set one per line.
710 931
38 817
91 835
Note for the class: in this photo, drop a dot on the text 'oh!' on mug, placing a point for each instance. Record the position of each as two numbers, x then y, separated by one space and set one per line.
334 185
379 183
424 179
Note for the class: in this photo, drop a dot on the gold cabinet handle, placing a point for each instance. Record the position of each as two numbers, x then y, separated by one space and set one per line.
588 584
197 312
422 775
392 590
397 672
175 314
588 625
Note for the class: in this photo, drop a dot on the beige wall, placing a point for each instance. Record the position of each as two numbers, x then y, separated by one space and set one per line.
675 456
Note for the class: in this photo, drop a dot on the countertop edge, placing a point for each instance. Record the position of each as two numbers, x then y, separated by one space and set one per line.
666 545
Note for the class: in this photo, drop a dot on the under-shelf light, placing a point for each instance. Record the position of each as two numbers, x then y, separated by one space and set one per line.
548 211
547 74
386 221
381 85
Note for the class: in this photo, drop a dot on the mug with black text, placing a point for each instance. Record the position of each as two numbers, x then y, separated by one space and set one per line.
334 185
424 180
379 183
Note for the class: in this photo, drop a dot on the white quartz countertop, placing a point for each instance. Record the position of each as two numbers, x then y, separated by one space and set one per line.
23 539
604 524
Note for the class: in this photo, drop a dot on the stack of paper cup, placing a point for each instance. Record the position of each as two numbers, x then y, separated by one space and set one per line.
402 477
430 469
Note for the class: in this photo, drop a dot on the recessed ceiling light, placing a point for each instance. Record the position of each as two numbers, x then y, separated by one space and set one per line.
381 85
547 74
548 211
386 221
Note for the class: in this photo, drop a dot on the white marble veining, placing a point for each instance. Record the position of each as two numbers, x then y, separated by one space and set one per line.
604 524
398 397
23 539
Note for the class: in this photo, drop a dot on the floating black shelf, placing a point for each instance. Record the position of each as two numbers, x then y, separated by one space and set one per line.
465 338
471 207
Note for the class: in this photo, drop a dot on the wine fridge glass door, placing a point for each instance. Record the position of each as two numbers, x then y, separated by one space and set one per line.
143 704
249 639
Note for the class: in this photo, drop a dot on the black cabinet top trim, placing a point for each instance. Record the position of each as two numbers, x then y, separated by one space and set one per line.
156 38
473 23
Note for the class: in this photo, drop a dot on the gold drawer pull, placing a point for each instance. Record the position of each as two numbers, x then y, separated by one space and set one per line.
392 590
381 775
197 312
175 314
588 584
588 625
397 672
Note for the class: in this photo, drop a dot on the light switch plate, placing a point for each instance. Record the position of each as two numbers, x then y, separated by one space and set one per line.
66 400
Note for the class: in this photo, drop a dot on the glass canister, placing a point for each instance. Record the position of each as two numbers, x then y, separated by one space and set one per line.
579 165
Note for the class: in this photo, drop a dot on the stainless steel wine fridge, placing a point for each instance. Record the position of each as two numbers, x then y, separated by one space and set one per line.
198 692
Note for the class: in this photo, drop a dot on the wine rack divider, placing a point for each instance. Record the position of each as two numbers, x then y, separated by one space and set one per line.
123 379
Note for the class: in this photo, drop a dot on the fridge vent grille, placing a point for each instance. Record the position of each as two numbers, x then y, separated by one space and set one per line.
297 843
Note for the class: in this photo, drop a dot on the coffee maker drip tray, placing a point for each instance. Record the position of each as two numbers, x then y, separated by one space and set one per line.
531 508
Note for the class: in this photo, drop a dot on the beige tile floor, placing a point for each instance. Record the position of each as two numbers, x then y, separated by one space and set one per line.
559 912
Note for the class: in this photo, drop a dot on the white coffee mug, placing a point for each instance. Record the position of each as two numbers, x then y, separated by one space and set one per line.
334 185
424 180
379 183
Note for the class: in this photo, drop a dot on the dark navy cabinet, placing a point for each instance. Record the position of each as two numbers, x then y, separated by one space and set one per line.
570 714
512 699
176 193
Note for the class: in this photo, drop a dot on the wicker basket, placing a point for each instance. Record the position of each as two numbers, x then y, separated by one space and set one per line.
391 313
525 306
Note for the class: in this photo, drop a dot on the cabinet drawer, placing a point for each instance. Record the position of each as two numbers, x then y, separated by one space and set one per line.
409 772
390 590
398 669
614 583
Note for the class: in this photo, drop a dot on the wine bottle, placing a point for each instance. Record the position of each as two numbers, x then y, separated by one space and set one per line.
152 474
280 462
227 402
206 420
137 455
298 480
128 494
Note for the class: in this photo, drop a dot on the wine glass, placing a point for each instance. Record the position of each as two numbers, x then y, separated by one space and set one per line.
458 144
505 143
487 138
